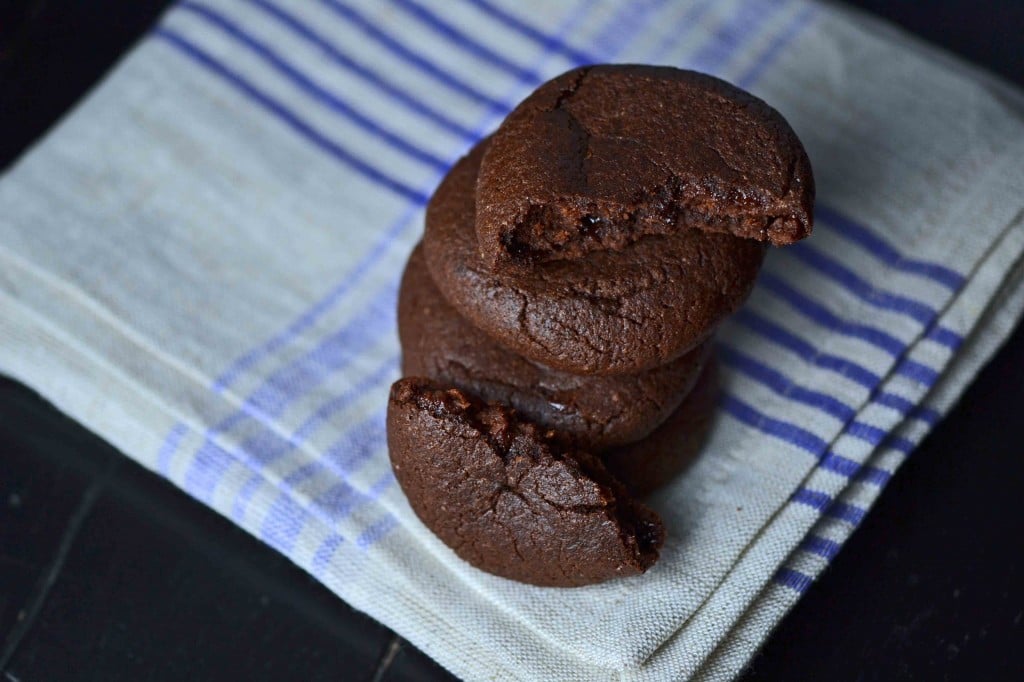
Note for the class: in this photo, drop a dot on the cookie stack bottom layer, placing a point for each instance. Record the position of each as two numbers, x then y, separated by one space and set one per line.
647 425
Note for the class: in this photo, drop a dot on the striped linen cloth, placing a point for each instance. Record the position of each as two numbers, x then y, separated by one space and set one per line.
200 264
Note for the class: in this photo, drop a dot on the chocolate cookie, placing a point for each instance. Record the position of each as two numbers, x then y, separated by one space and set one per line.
614 312
648 464
507 498
603 155
598 412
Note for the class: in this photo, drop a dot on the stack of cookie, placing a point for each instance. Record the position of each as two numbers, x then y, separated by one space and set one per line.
560 310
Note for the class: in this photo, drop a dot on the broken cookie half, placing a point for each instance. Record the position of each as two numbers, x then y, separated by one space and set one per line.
510 497
603 156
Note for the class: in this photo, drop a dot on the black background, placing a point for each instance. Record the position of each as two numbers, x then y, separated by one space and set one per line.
109 573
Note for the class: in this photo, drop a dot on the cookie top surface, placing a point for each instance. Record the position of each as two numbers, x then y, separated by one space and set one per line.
617 311
598 412
507 498
603 155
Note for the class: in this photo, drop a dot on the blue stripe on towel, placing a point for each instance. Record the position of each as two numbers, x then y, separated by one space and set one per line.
288 116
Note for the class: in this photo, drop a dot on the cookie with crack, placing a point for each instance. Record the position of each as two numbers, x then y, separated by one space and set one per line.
602 156
615 312
507 497
598 412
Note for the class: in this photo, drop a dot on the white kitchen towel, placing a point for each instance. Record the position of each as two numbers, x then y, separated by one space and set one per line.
200 264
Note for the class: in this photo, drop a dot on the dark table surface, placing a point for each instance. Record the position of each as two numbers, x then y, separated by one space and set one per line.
107 572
